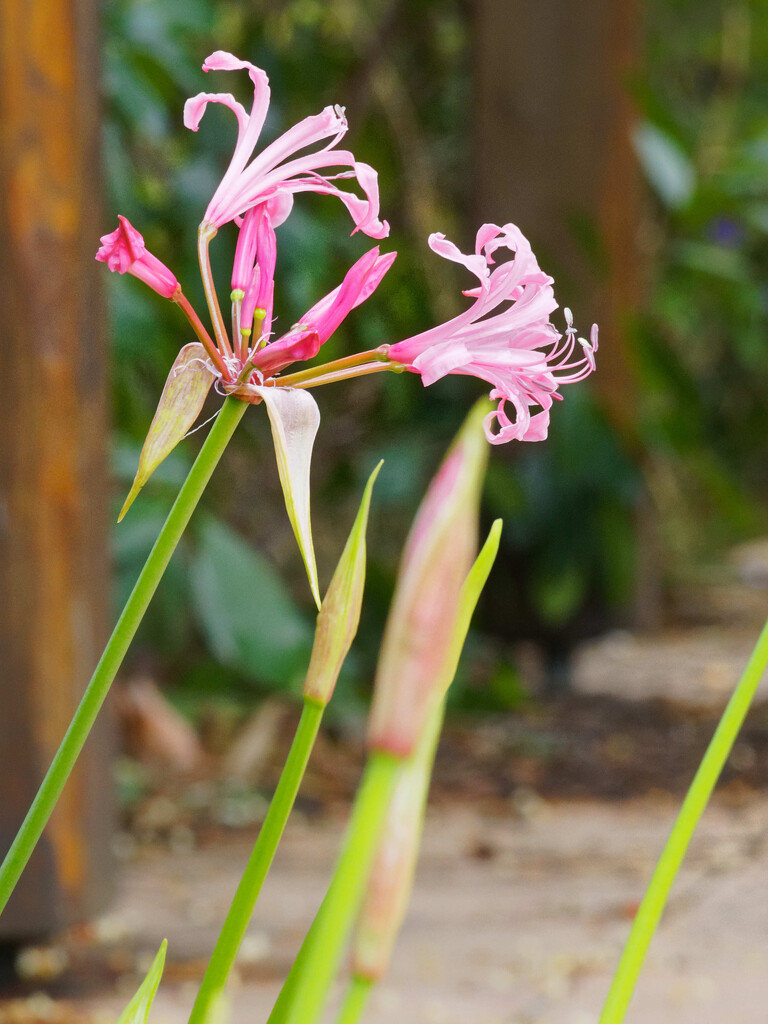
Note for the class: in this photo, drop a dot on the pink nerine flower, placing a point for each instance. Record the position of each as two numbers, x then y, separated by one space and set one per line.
277 173
124 252
505 337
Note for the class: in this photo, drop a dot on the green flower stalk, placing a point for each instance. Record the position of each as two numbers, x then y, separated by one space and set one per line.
437 582
336 628
112 658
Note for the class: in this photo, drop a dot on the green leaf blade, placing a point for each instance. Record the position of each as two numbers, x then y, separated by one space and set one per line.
137 1011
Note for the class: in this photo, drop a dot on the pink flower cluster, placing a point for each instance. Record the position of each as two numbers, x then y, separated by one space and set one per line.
504 337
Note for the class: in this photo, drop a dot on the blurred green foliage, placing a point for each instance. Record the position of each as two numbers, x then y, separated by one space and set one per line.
701 342
568 563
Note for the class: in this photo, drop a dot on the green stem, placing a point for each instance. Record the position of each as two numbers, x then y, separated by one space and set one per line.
355 1000
655 898
374 355
118 644
306 987
337 375
241 910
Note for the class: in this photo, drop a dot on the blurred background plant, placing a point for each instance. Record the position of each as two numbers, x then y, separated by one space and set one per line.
224 622
700 344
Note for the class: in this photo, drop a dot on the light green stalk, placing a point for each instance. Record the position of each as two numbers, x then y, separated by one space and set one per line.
336 628
654 901
85 715
240 912
306 987
355 1000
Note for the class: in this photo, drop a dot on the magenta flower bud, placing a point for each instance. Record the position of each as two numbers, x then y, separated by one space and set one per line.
360 281
260 291
124 252
417 660
305 339
245 250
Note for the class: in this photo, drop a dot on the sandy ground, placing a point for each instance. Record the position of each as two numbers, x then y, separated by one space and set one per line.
515 920
521 904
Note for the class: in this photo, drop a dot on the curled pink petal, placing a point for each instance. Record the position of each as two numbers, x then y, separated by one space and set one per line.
448 250
195 107
278 208
221 60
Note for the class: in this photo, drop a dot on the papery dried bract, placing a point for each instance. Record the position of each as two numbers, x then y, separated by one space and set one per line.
339 614
294 418
180 404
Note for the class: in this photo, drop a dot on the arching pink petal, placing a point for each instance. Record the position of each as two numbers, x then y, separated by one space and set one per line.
195 106
476 264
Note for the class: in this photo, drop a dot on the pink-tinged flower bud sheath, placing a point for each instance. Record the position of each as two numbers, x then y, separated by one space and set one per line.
418 640
391 878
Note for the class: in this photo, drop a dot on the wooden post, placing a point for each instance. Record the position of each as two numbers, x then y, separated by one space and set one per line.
553 123
53 508
554 155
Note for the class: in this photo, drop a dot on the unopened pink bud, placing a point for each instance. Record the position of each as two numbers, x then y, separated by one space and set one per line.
416 652
123 251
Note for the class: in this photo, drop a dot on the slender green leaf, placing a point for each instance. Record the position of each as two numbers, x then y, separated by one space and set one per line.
470 595
137 1011
182 399
294 418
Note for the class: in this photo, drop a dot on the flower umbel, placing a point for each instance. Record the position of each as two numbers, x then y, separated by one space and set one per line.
505 337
